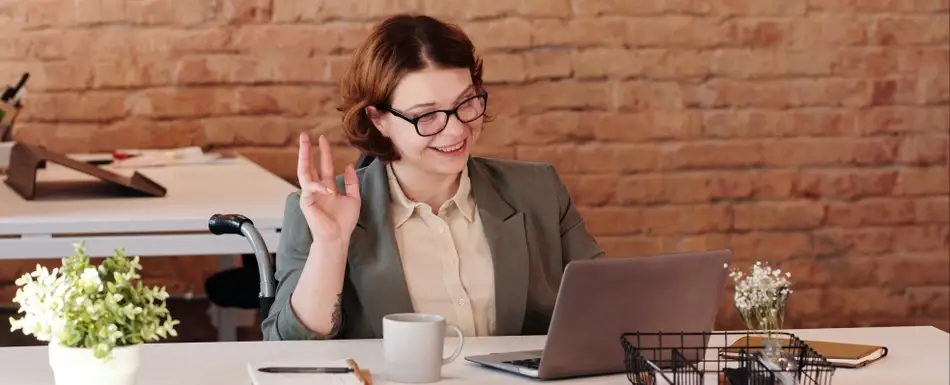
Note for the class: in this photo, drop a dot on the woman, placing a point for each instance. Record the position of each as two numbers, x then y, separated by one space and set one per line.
426 227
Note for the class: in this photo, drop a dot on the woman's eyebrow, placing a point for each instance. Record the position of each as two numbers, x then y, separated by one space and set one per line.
432 104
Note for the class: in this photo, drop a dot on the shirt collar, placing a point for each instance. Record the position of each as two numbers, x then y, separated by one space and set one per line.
402 207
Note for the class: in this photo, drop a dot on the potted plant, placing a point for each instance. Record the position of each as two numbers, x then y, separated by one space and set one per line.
761 297
95 318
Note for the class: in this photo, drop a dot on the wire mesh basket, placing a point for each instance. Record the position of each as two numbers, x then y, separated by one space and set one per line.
733 358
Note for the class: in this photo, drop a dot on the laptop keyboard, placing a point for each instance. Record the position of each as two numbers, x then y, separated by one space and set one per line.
532 363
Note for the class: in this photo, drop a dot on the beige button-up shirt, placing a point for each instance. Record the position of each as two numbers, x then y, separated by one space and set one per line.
446 258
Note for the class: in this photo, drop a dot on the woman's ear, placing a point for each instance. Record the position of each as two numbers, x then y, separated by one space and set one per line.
376 117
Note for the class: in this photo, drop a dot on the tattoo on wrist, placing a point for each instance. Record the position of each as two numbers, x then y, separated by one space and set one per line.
337 316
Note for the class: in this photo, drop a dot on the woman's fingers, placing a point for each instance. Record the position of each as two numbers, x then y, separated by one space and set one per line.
326 163
316 188
351 182
305 172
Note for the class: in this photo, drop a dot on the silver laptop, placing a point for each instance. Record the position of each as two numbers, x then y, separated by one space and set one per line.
601 299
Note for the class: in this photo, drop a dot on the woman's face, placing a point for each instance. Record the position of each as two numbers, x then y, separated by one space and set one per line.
447 138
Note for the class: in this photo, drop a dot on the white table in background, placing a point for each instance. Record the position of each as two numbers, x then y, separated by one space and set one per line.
918 355
176 224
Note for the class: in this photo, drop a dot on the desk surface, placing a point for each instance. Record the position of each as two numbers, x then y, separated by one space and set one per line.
195 192
918 355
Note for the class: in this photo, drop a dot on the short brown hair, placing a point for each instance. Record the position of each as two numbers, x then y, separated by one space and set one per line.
397 46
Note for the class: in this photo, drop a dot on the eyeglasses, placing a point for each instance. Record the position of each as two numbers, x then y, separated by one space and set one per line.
433 122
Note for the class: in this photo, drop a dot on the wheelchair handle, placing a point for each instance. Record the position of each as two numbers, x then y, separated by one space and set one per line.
241 225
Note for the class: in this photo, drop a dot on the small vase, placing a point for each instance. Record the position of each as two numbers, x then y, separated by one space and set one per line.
78 366
782 358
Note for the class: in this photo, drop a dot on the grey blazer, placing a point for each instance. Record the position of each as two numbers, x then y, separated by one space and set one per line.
531 224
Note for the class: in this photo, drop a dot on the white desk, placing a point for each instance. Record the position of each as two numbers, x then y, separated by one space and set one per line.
918 355
176 224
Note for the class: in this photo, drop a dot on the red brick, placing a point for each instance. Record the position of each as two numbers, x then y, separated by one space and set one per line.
565 95
605 62
562 157
553 127
847 183
612 220
871 212
933 89
877 6
540 8
244 131
137 133
906 269
903 119
246 11
615 158
866 62
932 210
924 150
47 13
765 246
663 64
838 242
905 29
704 242
500 34
132 72
775 183
547 64
830 30
922 238
771 123
671 31
640 189
178 12
646 95
96 106
59 137
924 180
627 246
504 68
711 154
603 31
675 219
618 7
591 190
649 125
99 12
925 60
759 33
759 8
829 151
792 215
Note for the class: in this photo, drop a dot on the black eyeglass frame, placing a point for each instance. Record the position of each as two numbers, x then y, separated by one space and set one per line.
448 114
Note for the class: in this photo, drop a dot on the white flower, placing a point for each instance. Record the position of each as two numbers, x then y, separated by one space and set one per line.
98 308
761 295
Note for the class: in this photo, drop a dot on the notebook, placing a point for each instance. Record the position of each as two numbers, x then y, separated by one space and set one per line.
842 355
357 377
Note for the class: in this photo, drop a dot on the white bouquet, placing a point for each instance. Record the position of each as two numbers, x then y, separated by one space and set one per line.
761 296
98 308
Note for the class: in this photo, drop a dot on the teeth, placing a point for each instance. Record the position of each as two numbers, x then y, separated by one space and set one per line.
450 149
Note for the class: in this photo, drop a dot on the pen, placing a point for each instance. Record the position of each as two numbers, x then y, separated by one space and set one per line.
291 369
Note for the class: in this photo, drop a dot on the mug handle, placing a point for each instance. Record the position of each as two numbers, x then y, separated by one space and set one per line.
458 349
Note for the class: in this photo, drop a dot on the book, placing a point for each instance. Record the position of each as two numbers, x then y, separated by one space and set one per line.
838 354
357 376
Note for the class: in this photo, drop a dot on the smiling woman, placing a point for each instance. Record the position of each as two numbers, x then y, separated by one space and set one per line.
426 227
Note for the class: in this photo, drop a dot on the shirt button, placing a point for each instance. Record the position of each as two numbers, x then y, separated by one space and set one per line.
462 302
441 230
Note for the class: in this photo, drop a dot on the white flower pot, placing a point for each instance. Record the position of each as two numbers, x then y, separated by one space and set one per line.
77 366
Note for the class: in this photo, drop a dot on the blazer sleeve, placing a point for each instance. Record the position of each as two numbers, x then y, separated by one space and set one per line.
576 242
281 323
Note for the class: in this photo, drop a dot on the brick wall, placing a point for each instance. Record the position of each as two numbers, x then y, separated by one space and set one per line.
809 133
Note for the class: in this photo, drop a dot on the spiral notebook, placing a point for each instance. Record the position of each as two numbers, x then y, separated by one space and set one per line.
357 377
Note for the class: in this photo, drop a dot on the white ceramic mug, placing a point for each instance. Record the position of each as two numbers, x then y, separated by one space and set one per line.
413 347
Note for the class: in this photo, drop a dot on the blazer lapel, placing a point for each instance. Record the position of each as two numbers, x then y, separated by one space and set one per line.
374 263
504 228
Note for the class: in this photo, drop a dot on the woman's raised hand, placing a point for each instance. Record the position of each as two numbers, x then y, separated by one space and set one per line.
330 215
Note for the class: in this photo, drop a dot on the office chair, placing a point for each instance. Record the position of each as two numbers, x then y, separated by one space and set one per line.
235 287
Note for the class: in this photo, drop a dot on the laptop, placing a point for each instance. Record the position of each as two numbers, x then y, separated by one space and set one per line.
601 299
